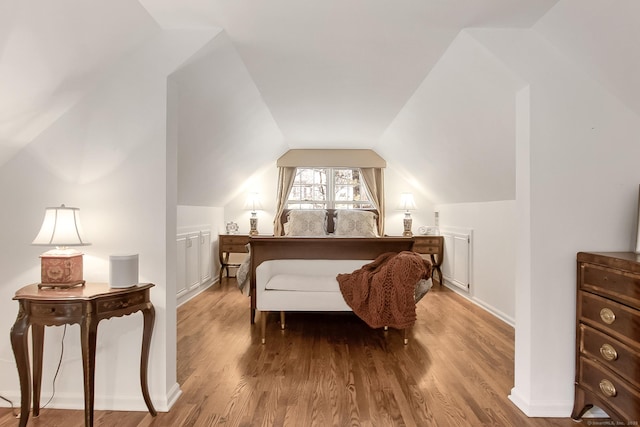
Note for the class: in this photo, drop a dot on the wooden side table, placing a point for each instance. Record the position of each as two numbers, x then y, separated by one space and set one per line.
434 246
228 244
86 305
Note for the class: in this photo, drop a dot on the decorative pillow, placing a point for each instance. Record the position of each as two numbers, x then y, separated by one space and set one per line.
306 223
355 223
422 287
244 272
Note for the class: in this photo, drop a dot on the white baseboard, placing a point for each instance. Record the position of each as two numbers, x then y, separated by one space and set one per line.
541 408
187 296
172 397
106 403
487 307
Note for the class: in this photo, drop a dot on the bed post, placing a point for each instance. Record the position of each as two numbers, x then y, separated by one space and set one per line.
263 325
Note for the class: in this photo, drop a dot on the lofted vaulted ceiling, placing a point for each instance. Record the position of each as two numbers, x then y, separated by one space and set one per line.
336 73
401 77
53 53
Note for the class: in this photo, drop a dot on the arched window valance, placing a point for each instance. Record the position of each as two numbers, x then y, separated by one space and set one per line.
331 158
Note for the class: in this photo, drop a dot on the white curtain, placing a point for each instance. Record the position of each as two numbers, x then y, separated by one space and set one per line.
286 176
374 180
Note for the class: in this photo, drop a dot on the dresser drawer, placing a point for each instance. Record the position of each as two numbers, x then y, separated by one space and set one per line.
427 245
615 284
613 390
49 313
233 239
609 317
613 354
129 303
233 243
235 248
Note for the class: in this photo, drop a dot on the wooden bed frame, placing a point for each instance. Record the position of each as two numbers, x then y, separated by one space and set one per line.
264 248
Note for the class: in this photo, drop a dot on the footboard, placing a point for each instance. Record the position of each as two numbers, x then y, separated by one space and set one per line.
265 248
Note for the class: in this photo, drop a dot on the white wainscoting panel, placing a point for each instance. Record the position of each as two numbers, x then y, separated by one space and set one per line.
457 263
194 264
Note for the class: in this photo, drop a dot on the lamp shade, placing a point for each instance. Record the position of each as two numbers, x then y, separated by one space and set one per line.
406 202
61 227
253 202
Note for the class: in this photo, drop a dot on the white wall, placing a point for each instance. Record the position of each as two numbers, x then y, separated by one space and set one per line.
108 156
195 218
398 180
493 252
455 135
225 130
264 182
576 183
582 154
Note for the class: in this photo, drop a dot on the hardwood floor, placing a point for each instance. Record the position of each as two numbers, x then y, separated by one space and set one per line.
331 370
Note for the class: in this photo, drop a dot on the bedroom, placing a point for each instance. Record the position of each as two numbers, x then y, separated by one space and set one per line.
98 122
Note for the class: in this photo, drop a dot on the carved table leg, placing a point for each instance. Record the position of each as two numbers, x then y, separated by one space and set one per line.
263 326
37 335
579 406
149 315
19 343
436 268
253 303
88 334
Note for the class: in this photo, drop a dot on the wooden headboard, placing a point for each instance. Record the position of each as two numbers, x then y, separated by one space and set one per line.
330 217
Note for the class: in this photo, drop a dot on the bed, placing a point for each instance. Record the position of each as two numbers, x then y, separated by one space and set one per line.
310 249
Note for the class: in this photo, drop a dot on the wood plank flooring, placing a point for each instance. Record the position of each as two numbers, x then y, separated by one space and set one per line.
331 370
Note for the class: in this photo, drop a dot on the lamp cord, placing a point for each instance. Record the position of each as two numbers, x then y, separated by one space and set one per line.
13 408
55 376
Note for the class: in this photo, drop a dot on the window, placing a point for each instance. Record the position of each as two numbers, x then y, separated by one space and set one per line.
328 188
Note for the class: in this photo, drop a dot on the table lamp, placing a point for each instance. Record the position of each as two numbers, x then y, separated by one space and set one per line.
407 204
253 204
61 267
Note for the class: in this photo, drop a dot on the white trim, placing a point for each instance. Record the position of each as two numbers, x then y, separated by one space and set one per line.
453 267
192 293
105 403
483 305
541 408
172 397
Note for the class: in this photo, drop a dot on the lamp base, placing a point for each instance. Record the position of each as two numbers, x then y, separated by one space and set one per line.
253 224
61 269
61 285
406 222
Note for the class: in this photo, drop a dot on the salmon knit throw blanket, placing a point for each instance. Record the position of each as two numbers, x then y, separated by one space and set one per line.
382 292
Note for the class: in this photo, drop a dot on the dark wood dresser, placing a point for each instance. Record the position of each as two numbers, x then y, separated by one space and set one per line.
608 335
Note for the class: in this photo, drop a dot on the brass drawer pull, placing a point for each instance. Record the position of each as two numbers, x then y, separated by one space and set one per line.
607 388
608 352
607 315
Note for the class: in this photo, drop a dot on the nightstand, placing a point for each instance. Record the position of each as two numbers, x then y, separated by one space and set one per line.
85 305
433 246
231 244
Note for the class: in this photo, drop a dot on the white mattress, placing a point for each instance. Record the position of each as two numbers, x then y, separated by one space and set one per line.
302 285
